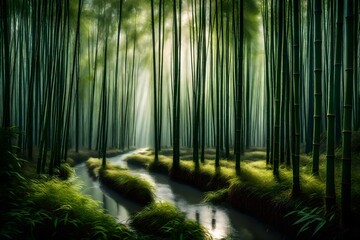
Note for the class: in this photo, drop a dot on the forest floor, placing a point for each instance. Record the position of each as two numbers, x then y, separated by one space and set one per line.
258 192
38 206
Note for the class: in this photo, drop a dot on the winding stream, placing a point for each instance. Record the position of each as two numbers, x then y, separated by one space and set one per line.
221 221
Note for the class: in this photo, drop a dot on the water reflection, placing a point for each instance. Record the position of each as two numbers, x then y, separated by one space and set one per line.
112 203
197 216
221 221
104 202
213 220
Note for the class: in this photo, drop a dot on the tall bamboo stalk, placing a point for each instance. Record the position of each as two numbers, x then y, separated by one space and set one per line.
331 114
347 114
296 97
317 85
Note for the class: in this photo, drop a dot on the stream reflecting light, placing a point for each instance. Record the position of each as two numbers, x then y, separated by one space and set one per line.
221 222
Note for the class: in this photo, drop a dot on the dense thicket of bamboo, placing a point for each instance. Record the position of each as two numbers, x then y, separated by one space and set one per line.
184 73
323 80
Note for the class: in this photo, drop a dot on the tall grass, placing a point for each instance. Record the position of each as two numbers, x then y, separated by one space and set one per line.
216 197
10 163
165 221
54 209
259 192
128 185
122 182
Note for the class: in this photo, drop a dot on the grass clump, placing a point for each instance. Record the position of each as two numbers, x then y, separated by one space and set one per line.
140 160
205 178
165 221
160 167
122 182
216 197
93 165
128 185
54 209
65 171
145 159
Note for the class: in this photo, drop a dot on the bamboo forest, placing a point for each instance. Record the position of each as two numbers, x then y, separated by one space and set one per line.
180 119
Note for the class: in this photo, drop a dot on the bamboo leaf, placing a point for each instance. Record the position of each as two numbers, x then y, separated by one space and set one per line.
319 227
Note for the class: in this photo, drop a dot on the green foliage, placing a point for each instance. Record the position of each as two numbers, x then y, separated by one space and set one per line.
139 159
257 188
254 173
121 181
128 185
10 164
65 171
160 167
216 197
311 220
251 13
165 221
57 210
145 159
93 165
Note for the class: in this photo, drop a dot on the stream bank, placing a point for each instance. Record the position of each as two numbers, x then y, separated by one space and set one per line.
221 221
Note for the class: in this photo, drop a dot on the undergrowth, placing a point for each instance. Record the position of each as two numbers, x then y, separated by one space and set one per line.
54 209
122 182
128 185
44 207
216 197
310 221
259 189
165 221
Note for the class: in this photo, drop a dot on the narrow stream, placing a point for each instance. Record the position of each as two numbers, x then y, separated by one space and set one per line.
221 221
